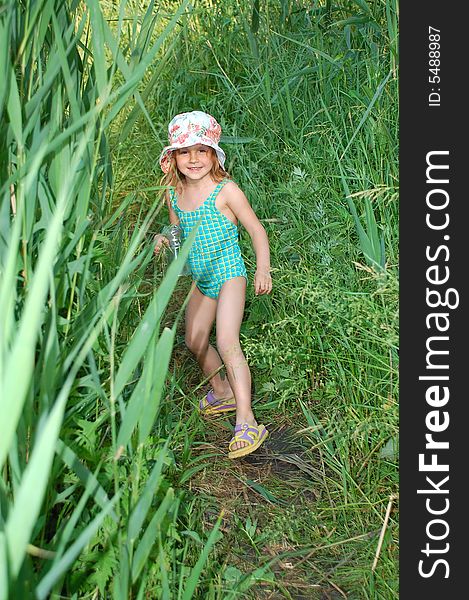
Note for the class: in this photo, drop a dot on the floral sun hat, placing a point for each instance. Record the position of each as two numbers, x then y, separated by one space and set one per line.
188 129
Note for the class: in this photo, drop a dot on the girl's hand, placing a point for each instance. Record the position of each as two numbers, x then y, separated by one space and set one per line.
159 240
262 282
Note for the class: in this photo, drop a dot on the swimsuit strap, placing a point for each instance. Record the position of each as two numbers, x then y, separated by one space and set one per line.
210 201
172 198
213 196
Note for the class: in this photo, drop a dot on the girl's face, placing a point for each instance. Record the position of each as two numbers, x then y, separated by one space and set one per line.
194 162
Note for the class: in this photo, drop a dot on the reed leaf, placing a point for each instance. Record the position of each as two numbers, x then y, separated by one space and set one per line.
5 25
69 457
194 576
4 567
57 570
158 360
149 537
144 401
97 41
28 500
142 507
151 318
13 386
14 109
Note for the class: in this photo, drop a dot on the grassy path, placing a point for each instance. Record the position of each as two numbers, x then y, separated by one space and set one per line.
290 527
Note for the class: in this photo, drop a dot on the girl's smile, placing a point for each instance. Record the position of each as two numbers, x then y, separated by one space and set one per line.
195 162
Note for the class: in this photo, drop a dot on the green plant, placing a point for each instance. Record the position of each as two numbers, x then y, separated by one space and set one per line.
63 308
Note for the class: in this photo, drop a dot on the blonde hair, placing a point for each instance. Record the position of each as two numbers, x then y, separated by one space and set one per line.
175 179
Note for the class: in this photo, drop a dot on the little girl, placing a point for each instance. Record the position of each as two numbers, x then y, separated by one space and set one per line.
199 187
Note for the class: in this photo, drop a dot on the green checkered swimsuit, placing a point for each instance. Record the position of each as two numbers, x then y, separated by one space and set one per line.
215 255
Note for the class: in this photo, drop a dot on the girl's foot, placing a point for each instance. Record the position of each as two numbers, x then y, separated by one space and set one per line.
241 420
211 405
225 394
249 436
240 444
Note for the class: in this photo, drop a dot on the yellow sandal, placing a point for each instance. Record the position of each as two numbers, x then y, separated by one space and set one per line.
209 405
253 435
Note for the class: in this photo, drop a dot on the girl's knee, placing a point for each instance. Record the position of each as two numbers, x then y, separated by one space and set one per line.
196 344
228 347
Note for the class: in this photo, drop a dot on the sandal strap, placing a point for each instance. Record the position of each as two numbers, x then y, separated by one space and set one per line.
245 433
246 427
210 402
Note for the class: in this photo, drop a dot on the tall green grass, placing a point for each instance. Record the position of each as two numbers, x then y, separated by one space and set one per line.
70 269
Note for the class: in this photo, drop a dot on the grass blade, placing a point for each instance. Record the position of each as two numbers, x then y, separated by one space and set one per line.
194 576
369 108
151 318
14 110
84 474
140 511
67 559
4 567
149 537
28 500
144 401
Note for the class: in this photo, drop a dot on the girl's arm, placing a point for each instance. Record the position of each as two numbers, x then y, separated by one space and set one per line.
159 238
173 219
239 205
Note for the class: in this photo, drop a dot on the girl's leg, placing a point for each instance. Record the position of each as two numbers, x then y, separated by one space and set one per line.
200 315
229 316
